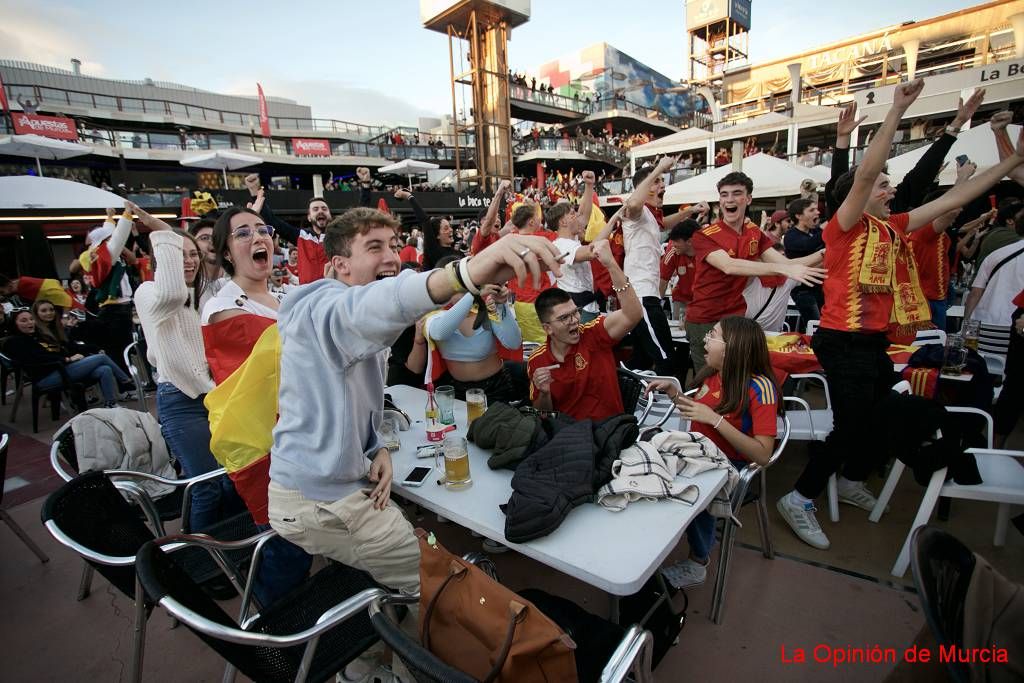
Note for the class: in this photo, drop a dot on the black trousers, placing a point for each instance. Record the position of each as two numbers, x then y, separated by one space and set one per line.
860 373
1011 398
646 351
115 331
809 301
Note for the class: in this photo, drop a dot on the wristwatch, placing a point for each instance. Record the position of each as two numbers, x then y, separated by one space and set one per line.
952 130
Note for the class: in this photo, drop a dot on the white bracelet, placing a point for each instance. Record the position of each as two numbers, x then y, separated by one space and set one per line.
467 282
720 418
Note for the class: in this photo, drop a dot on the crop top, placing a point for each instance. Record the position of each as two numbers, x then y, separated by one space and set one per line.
443 328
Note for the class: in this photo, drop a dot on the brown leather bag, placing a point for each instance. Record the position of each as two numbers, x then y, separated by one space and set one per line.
473 623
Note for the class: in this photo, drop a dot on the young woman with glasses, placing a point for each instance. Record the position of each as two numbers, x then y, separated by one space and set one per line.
736 406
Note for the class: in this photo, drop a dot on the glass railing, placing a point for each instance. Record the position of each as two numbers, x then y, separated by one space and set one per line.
57 96
524 93
591 148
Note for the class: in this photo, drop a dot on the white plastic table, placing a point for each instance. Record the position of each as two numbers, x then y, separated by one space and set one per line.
614 551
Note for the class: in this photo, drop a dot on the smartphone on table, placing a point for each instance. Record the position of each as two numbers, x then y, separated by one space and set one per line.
416 477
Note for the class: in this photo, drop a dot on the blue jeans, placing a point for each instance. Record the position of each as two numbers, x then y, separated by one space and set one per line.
283 566
98 368
185 426
938 309
701 532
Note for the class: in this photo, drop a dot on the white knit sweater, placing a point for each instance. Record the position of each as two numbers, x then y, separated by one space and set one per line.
170 322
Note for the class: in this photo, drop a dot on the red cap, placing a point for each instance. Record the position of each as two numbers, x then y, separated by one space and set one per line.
779 215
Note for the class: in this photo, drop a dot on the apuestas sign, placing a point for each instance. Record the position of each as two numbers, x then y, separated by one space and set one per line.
311 147
48 126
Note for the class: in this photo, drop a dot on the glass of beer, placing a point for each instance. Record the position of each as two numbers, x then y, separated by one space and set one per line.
445 397
476 405
970 334
456 462
955 357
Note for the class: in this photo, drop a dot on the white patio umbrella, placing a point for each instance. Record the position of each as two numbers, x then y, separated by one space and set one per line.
409 168
32 192
772 178
978 143
40 147
223 159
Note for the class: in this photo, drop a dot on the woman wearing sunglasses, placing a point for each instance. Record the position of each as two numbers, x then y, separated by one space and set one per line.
736 406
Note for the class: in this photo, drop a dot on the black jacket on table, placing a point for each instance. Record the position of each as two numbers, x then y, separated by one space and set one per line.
912 189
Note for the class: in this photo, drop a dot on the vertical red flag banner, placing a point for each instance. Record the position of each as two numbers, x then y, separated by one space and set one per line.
264 116
3 97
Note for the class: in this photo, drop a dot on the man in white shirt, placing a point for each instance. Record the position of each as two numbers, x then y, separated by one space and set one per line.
1000 278
642 225
577 278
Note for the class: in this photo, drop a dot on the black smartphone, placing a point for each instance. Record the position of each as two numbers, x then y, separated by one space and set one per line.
961 160
417 476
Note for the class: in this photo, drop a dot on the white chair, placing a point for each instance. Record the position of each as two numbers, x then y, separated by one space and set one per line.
815 424
897 466
925 337
993 343
1002 482
812 327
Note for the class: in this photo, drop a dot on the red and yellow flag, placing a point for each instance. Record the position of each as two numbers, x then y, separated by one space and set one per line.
243 406
43 289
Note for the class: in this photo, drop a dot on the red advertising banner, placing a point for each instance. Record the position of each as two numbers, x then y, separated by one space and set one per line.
264 116
48 126
307 147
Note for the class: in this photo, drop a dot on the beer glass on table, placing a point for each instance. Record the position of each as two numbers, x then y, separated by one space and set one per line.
955 356
476 405
970 334
455 453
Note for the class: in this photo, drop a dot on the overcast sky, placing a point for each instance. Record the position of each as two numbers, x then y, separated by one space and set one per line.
373 62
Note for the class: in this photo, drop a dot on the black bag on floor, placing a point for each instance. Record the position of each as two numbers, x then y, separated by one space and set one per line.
652 608
596 638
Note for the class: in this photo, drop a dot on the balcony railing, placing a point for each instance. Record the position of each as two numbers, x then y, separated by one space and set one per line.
53 98
594 149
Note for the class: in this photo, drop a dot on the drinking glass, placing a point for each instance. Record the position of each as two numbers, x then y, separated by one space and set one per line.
955 356
476 405
445 397
970 334
389 436
455 453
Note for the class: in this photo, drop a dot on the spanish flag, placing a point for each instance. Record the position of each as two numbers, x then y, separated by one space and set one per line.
43 289
244 355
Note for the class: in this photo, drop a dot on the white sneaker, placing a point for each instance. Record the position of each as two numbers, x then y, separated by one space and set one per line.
858 496
685 573
128 396
802 521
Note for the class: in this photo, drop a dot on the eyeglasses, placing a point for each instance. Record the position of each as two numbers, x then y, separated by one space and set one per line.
245 233
708 338
567 318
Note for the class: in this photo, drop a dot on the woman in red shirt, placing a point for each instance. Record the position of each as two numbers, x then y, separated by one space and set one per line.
737 407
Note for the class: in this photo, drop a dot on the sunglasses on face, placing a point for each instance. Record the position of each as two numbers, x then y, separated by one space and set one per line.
246 233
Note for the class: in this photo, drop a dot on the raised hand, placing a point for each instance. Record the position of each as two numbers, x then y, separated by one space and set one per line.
363 174
602 251
665 164
252 183
848 120
966 171
588 177
402 194
1001 120
906 93
965 110
261 197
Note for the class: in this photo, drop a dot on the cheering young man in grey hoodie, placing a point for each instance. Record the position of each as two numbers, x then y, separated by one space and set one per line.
334 335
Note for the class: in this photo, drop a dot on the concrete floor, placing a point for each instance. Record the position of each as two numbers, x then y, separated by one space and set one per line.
841 598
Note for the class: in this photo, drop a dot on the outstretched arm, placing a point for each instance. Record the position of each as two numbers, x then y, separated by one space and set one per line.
635 203
852 208
1003 143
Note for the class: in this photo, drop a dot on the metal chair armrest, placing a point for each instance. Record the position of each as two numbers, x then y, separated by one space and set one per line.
633 655
327 621
133 474
87 553
56 459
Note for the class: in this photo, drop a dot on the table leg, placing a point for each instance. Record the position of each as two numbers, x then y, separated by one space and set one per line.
613 609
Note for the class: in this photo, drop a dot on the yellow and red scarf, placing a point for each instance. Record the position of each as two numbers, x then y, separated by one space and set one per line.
888 268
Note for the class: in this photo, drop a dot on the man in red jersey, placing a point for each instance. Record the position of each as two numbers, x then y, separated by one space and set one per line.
727 253
872 287
573 372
